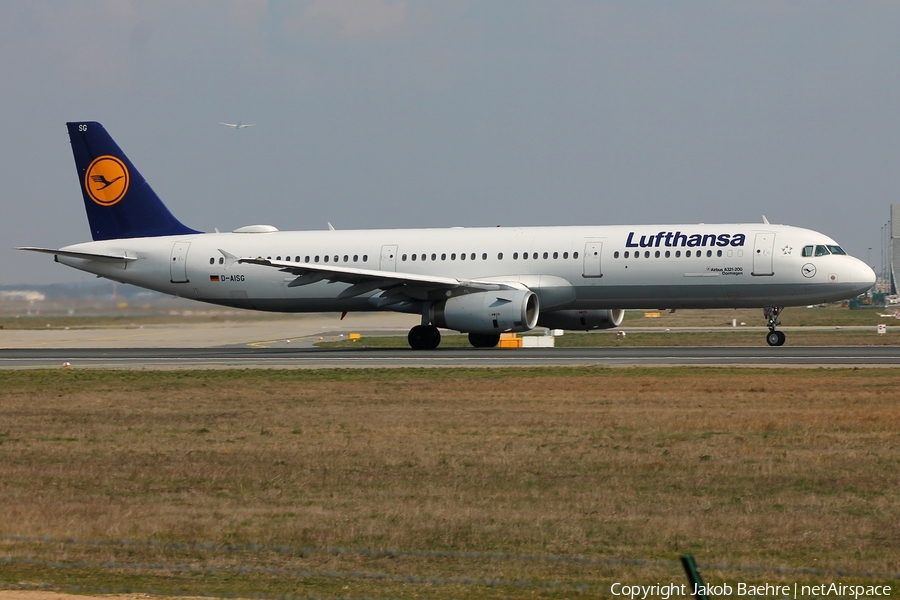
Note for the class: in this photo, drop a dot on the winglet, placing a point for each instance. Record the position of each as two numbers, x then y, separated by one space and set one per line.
229 257
765 220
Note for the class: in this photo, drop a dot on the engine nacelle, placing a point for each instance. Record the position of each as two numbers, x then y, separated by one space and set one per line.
582 320
488 312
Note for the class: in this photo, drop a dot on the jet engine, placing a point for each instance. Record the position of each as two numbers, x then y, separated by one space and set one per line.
488 312
583 320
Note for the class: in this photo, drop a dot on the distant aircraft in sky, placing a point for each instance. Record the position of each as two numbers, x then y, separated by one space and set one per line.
480 281
238 125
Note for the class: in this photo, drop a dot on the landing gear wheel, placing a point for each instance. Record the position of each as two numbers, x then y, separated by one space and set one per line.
484 340
775 338
424 337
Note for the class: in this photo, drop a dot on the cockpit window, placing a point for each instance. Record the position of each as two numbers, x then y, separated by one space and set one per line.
837 250
807 250
822 251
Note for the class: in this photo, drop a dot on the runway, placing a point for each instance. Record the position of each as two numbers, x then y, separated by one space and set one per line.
316 358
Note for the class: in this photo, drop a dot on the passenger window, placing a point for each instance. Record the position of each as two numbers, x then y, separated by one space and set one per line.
212 261
719 253
326 258
837 250
307 259
356 258
221 260
566 255
709 254
287 259
277 258
434 257
668 254
615 254
534 256
546 256
822 251
403 257
657 254
555 255
515 255
688 254
414 257
453 256
462 256
484 256
574 255
296 259
335 259
626 254
646 254
317 259
365 257
443 257
637 254
346 258
807 251
678 254
499 256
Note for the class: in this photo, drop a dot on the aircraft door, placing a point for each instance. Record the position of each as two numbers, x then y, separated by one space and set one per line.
763 250
592 252
178 264
388 258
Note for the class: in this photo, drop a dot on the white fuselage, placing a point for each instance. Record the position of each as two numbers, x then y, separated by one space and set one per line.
583 268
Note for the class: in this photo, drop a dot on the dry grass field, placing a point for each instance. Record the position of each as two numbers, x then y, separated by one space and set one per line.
771 468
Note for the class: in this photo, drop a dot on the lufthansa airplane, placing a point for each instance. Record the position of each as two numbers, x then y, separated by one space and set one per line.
480 281
238 125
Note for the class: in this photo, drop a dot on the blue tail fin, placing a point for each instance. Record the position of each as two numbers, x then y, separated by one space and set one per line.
119 202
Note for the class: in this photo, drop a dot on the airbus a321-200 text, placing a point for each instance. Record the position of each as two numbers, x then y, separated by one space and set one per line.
480 281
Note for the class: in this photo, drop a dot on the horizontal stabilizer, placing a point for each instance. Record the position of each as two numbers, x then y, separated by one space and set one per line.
113 258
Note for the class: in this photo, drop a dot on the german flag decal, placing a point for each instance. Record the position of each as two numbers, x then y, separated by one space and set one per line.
213 277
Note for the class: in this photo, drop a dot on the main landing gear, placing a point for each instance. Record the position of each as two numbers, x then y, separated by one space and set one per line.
774 337
484 340
424 337
427 337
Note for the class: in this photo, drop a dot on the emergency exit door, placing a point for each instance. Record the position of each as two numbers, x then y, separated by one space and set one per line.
388 258
592 252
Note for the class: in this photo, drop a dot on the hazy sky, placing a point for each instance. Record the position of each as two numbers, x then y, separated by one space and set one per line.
413 113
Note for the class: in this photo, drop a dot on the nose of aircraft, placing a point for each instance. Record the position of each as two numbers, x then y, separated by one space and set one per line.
862 276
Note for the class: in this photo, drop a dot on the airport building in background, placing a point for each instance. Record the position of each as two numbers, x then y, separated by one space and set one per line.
892 248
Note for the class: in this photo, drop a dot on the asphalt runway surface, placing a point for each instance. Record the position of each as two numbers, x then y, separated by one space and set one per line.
317 358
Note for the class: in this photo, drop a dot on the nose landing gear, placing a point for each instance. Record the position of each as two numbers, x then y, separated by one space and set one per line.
774 337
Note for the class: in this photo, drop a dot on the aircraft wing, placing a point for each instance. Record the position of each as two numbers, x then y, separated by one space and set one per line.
412 285
114 258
